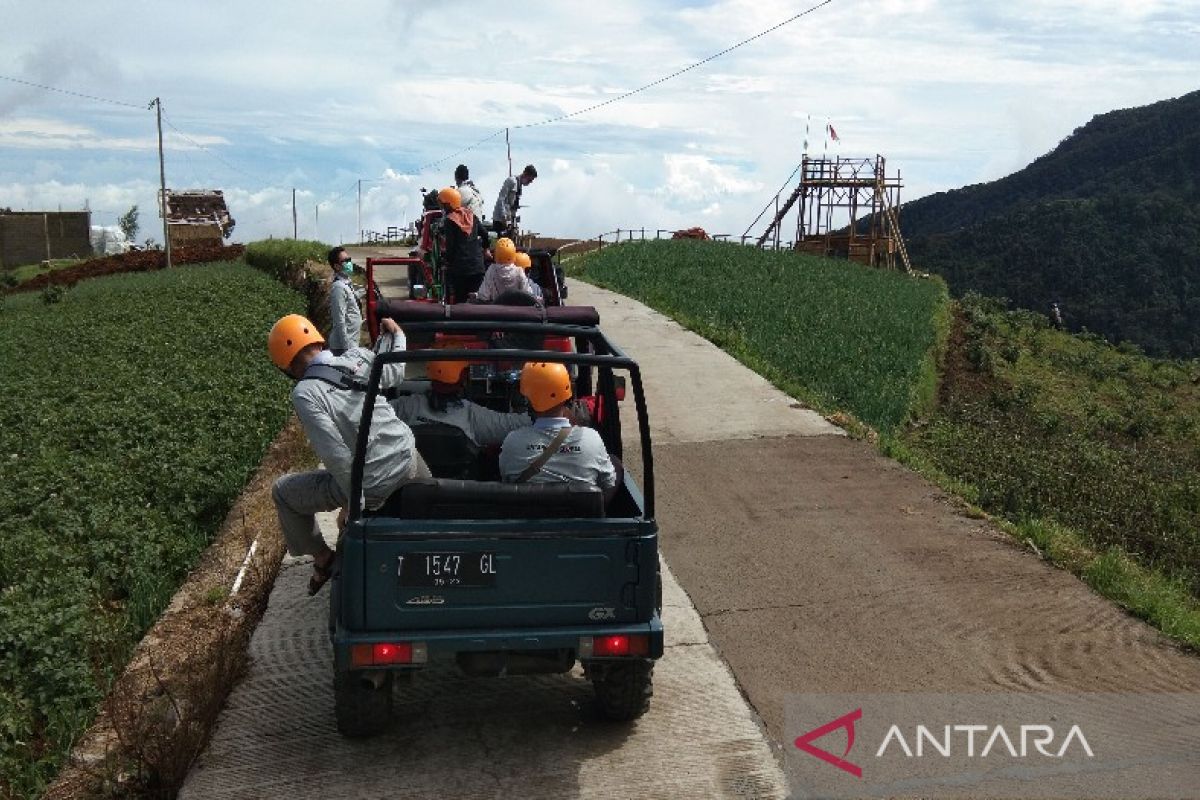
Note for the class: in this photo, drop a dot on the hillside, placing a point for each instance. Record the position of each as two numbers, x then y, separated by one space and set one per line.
1087 450
1107 224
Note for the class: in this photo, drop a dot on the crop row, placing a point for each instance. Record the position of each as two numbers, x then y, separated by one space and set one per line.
840 335
131 414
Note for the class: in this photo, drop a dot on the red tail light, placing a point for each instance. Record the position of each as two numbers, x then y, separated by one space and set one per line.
620 645
384 653
559 344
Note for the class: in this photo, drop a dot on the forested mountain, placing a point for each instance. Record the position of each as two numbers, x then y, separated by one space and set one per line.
1107 224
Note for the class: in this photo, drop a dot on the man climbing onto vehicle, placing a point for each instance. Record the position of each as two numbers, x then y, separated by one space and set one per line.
328 399
553 450
504 215
465 242
345 316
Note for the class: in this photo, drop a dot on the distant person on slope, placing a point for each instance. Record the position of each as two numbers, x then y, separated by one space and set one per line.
328 399
465 242
345 316
504 215
471 196
1056 317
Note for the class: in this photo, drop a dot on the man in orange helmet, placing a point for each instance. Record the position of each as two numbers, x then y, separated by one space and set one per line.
328 399
553 450
444 404
503 276
465 242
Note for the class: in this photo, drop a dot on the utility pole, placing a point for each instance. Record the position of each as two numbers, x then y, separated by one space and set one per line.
317 222
162 183
295 230
359 210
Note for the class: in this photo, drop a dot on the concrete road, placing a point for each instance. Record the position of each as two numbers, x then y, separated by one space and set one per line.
814 564
392 280
518 736
817 566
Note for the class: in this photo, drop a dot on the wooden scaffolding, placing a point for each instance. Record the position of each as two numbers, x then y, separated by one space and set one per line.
847 208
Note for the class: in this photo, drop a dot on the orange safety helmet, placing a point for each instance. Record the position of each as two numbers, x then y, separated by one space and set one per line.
445 371
289 336
545 384
450 196
505 251
523 260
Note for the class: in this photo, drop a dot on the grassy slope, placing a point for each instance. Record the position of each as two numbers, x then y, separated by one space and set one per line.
1089 450
1085 450
131 414
848 338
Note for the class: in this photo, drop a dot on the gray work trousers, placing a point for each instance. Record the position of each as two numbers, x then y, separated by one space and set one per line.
299 496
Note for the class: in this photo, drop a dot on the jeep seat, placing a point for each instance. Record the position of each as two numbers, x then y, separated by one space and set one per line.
444 498
448 451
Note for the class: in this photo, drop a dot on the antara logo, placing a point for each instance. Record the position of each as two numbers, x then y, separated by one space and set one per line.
846 721
971 741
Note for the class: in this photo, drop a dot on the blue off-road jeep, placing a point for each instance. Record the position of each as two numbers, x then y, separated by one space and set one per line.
500 578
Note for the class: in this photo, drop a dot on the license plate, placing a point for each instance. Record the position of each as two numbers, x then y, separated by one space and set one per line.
443 570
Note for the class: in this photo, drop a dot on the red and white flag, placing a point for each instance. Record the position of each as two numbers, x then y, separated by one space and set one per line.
832 133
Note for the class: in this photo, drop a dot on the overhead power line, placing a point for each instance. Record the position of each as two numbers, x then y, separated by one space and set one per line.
638 90
257 178
675 74
138 106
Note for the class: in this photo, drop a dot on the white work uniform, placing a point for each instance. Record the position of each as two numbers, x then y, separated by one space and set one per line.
582 457
330 417
506 201
501 278
471 198
482 426
345 317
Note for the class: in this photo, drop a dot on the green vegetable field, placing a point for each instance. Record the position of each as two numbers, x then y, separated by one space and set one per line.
132 411
842 336
1068 429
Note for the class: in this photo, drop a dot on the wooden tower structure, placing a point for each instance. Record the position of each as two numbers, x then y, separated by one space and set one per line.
847 208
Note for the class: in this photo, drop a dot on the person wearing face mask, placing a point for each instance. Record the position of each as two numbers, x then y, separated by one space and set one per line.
345 317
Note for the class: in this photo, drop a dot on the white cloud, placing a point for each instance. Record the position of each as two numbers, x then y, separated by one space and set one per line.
304 94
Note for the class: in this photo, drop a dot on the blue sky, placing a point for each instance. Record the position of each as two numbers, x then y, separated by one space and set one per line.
269 96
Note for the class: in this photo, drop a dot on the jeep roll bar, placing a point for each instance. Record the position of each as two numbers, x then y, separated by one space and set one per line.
609 355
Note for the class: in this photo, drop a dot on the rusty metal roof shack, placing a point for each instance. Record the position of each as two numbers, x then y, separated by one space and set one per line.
197 214
848 208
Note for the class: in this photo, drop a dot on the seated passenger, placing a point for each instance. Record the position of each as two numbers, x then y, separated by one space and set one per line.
552 449
503 275
525 262
328 399
444 404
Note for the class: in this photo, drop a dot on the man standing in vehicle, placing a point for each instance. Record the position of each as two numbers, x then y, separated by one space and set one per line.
504 215
345 316
328 399
471 197
552 450
465 243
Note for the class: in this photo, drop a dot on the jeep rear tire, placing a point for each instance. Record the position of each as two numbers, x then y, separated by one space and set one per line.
361 707
623 690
